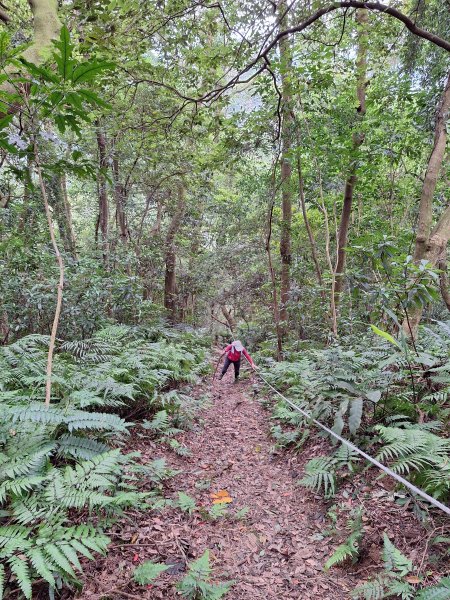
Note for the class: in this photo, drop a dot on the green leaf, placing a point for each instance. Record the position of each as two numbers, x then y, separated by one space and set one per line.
441 591
148 571
55 553
186 503
40 564
39 72
5 121
394 560
2 580
355 415
385 335
64 59
93 98
89 71
20 569
373 395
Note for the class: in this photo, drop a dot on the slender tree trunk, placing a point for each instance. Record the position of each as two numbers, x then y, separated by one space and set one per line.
120 198
443 279
4 328
57 196
170 274
103 207
275 306
309 230
48 385
431 243
286 168
358 138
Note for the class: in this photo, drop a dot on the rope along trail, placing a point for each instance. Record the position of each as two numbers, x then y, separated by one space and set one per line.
369 458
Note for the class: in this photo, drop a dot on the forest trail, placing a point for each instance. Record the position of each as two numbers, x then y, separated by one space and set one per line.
275 552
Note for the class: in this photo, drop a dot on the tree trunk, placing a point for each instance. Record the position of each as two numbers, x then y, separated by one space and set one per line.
59 298
170 275
120 194
358 138
443 279
430 243
4 328
103 208
229 318
309 230
285 47
57 195
46 28
275 307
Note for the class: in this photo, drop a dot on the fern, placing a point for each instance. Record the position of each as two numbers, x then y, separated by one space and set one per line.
350 548
20 569
186 503
196 585
416 451
394 560
370 590
320 473
148 572
441 591
56 463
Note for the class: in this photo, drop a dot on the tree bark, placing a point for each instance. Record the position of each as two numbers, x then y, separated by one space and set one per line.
229 318
59 298
4 328
170 274
285 48
275 306
46 28
358 138
430 243
103 207
312 241
120 194
57 196
443 279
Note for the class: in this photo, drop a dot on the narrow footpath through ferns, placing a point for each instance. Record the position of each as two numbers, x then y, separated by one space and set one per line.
274 550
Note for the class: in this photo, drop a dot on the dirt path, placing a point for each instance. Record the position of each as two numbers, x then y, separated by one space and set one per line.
274 552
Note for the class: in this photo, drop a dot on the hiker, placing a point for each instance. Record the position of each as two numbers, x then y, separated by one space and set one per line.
234 352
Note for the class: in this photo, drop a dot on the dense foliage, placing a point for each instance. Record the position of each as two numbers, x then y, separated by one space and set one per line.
65 473
272 171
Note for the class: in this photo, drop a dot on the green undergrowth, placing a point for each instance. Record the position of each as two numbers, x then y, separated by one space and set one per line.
389 399
65 474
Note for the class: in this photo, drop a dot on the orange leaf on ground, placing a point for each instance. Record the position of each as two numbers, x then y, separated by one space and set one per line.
221 494
223 500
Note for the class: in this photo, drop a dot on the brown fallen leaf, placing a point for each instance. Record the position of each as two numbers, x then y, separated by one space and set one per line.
413 579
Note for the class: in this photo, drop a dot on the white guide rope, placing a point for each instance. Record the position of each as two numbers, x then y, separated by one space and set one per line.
374 461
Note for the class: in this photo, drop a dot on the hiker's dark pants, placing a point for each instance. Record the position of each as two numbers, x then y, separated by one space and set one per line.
236 364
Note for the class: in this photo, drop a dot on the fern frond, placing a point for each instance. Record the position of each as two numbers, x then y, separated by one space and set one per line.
394 560
440 591
22 572
320 473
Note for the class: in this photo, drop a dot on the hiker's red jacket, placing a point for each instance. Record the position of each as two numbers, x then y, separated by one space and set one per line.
234 355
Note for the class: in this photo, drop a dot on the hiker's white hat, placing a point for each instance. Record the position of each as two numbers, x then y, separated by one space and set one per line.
238 345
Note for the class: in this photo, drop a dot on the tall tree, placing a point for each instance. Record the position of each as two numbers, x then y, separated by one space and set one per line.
357 140
103 205
170 280
431 242
285 47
